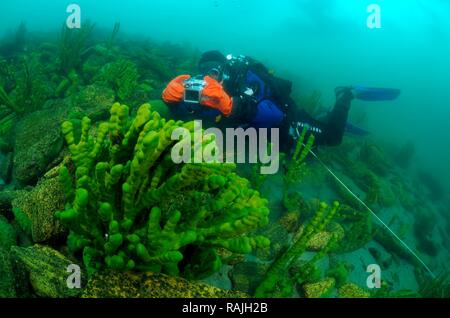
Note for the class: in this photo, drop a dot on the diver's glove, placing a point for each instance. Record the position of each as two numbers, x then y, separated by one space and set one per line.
214 96
174 92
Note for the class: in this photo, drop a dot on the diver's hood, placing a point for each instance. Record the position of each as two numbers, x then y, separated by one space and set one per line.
207 68
211 61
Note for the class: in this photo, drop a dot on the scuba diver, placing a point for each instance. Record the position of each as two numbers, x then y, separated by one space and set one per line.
238 91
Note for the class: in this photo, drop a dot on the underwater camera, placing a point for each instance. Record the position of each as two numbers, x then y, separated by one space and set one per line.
193 89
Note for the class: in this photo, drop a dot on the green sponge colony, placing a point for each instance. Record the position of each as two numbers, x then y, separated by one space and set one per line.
130 207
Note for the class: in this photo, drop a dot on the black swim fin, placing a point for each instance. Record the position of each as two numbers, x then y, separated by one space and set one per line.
374 94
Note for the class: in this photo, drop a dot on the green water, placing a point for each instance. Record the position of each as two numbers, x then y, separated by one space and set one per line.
318 45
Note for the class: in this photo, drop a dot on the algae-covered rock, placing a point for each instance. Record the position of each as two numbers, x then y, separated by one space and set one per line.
111 284
93 101
246 276
375 158
47 270
230 258
319 241
7 280
23 221
319 289
40 206
392 245
351 290
8 236
290 221
38 141
386 197
357 230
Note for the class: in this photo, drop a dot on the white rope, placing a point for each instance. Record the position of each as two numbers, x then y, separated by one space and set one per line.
373 213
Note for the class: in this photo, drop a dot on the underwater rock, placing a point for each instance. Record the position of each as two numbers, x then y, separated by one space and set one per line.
426 245
112 284
404 194
229 257
319 289
8 236
290 221
366 177
319 241
358 229
424 225
93 101
7 279
40 206
386 197
379 191
377 256
47 270
23 221
246 276
38 141
375 158
392 245
351 290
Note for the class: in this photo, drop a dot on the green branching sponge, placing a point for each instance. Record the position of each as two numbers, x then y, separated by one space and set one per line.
130 207
274 283
295 168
